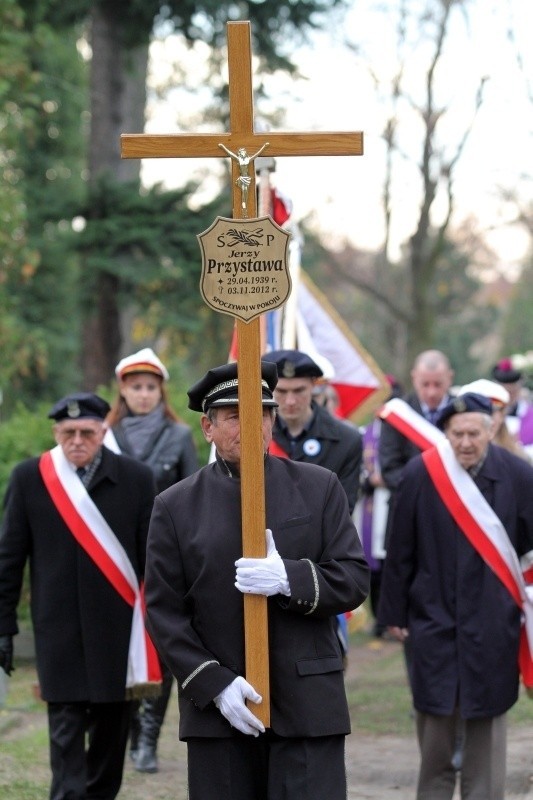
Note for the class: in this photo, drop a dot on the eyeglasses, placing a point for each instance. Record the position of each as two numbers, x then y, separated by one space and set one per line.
70 433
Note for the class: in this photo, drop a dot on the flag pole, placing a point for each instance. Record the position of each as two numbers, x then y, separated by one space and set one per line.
288 336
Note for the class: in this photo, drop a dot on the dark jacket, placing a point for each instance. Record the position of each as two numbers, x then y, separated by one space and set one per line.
328 442
81 625
195 613
463 624
171 454
395 449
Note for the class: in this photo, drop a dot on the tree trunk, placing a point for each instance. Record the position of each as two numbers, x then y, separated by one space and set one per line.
118 98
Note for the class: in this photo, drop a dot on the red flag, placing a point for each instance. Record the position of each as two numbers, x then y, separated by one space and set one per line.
281 206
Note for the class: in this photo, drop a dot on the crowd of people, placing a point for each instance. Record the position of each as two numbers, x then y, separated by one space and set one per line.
137 576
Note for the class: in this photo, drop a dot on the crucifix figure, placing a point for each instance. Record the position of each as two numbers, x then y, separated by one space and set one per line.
244 180
242 139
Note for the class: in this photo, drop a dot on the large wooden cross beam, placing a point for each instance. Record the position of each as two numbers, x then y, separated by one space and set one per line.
242 136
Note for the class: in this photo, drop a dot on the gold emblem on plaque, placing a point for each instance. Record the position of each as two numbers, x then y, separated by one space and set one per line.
244 266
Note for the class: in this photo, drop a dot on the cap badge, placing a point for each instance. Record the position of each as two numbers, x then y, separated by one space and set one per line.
73 409
459 405
288 369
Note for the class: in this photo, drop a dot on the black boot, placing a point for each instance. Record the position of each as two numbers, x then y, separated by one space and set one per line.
135 729
152 714
146 757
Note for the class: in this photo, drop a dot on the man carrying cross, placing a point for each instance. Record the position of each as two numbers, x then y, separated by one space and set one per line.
195 582
239 142
208 633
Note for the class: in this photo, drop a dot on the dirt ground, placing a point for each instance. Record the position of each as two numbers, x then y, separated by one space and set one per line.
379 767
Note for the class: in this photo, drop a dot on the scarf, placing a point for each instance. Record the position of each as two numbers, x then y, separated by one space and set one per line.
141 429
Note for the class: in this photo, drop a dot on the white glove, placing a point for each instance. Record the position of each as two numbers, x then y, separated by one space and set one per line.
230 703
266 576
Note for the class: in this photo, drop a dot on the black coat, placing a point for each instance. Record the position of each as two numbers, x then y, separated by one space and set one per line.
395 449
171 452
329 442
463 624
81 625
195 613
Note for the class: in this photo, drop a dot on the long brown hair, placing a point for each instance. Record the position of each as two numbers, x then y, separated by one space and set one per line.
504 438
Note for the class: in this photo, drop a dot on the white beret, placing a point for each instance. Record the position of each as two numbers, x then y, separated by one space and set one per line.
143 361
494 391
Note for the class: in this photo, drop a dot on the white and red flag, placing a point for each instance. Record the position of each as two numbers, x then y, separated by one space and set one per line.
308 322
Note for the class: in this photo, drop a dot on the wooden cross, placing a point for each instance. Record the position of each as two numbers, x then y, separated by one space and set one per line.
242 136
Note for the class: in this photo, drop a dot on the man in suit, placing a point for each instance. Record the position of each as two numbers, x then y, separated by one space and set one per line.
80 513
195 578
431 378
444 591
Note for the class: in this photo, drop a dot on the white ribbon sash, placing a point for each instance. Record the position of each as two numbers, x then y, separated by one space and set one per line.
412 425
110 441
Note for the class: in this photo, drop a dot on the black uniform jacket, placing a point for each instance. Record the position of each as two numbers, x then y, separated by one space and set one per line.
81 625
463 624
328 442
195 613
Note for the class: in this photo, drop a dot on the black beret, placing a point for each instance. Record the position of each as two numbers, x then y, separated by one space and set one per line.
220 387
293 364
468 402
504 372
81 405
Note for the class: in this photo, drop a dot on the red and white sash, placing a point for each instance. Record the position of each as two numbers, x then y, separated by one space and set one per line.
485 532
94 535
412 425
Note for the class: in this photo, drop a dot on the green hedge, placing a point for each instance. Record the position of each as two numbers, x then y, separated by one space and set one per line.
24 434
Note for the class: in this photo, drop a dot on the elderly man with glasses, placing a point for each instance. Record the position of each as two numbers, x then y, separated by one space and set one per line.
79 514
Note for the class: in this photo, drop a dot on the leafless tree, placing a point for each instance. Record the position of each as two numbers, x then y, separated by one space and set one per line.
410 304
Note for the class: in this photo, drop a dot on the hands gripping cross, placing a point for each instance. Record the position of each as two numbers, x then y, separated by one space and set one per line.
266 576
